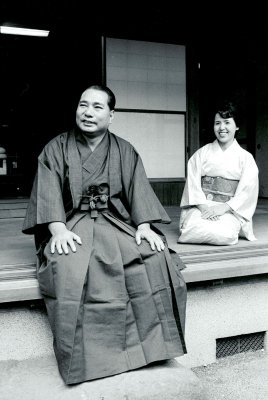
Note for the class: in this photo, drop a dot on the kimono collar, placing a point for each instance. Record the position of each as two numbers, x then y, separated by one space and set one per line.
74 162
115 170
233 146
75 169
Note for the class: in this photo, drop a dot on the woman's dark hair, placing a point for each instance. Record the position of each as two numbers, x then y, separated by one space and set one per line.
110 94
227 109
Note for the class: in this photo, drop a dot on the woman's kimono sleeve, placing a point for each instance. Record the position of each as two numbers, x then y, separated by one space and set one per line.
46 200
246 196
192 192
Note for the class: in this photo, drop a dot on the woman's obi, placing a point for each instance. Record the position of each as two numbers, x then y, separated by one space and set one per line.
218 189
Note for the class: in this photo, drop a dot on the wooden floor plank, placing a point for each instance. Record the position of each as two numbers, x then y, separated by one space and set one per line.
203 262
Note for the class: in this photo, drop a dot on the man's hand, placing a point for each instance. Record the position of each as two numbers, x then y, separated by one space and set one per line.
145 232
213 212
62 238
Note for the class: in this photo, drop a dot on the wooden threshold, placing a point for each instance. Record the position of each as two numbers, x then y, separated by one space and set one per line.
18 279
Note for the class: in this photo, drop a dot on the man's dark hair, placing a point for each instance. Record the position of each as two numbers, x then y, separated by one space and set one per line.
110 94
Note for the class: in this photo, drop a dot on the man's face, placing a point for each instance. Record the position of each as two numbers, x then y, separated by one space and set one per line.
93 115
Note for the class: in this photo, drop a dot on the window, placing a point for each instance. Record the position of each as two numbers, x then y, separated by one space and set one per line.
150 86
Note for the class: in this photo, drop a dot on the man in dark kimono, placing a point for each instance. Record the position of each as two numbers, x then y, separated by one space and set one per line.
113 290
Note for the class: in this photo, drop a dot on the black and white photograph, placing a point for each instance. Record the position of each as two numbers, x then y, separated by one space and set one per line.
133 200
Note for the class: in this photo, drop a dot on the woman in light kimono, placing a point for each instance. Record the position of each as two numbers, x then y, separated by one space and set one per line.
221 190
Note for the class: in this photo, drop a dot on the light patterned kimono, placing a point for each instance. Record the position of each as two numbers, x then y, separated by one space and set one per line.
234 164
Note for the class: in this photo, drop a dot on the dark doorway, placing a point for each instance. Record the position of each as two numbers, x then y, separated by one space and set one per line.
40 80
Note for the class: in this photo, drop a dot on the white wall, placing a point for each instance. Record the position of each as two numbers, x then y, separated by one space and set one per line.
220 312
159 139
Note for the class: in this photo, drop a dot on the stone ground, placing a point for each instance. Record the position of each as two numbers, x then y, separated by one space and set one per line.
240 377
39 379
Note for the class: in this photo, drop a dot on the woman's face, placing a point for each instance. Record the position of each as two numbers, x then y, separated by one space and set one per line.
224 129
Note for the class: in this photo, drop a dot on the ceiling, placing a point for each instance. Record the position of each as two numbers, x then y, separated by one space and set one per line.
191 20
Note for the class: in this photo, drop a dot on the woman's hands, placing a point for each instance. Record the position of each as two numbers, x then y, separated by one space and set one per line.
62 238
145 232
213 212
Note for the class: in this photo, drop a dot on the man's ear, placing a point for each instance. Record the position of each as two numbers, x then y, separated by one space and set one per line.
111 115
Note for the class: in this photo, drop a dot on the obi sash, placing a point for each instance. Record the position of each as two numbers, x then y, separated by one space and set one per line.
219 189
95 199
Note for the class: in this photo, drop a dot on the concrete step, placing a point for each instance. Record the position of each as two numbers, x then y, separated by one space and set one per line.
28 368
24 331
39 379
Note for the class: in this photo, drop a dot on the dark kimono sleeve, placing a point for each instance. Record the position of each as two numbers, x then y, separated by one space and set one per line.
46 200
143 202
